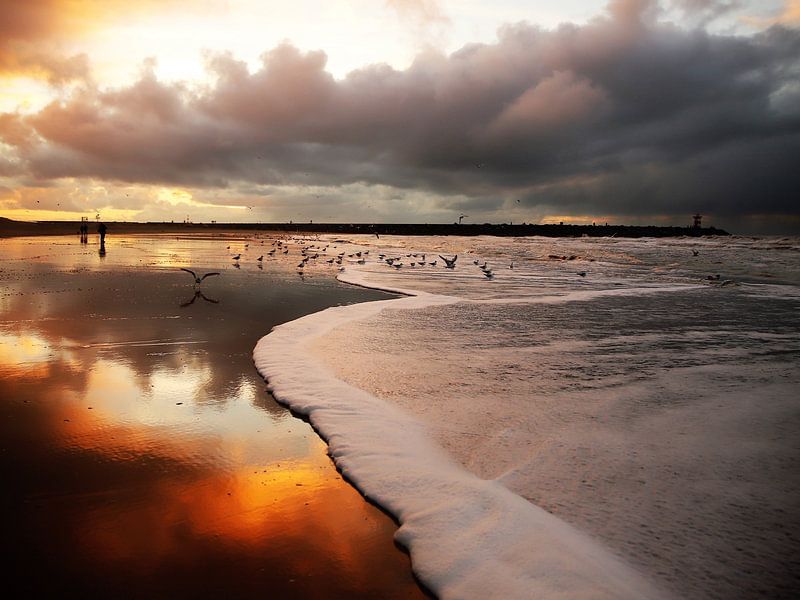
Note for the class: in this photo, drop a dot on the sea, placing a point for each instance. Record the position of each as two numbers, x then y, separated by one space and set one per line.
566 418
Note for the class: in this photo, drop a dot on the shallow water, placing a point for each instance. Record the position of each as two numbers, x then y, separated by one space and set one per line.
640 401
141 455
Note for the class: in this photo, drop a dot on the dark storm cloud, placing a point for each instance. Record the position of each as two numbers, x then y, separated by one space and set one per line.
623 115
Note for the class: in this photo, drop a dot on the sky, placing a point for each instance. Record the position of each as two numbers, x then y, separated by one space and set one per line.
421 111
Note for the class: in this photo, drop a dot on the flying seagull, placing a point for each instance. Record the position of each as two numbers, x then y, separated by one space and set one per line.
449 263
198 280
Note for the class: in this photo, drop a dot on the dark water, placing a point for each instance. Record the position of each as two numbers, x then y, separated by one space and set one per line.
140 454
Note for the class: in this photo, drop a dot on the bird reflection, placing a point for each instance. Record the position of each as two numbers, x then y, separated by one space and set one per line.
199 294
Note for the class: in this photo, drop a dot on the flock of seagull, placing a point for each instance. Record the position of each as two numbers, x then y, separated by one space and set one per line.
311 252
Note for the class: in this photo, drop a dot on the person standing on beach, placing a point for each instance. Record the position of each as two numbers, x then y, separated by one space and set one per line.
101 229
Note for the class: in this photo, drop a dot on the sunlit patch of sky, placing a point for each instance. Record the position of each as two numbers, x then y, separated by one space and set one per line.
175 39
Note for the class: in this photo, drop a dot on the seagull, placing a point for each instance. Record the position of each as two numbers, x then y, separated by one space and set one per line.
488 274
450 263
198 280
695 253
237 257
582 273
260 258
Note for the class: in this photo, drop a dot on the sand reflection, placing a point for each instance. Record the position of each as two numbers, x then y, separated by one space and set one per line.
142 450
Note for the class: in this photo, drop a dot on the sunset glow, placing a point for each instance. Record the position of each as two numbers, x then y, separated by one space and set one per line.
398 111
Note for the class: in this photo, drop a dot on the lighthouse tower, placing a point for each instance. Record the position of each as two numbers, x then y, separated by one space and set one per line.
697 219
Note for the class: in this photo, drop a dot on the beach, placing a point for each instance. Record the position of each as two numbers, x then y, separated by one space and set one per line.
594 418
141 454
410 299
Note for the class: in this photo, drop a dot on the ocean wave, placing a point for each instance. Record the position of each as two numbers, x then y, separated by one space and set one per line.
468 537
531 432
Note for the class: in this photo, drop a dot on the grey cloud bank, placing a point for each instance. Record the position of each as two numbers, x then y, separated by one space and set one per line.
623 116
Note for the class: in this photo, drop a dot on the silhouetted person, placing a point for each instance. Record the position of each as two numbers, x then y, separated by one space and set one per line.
101 229
84 233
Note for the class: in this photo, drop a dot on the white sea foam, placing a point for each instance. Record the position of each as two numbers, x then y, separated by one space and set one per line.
637 402
468 537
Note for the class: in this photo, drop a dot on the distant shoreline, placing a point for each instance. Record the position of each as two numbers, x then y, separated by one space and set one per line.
10 228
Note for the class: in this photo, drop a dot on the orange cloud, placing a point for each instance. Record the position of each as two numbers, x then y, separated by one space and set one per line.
31 32
551 103
789 16
14 132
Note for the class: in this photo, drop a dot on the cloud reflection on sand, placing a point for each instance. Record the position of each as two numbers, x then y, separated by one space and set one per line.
142 445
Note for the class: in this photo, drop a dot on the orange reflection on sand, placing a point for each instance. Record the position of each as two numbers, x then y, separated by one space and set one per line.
255 507
25 357
194 502
147 451
22 350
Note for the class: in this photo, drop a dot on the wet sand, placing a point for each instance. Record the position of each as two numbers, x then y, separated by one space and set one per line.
141 453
